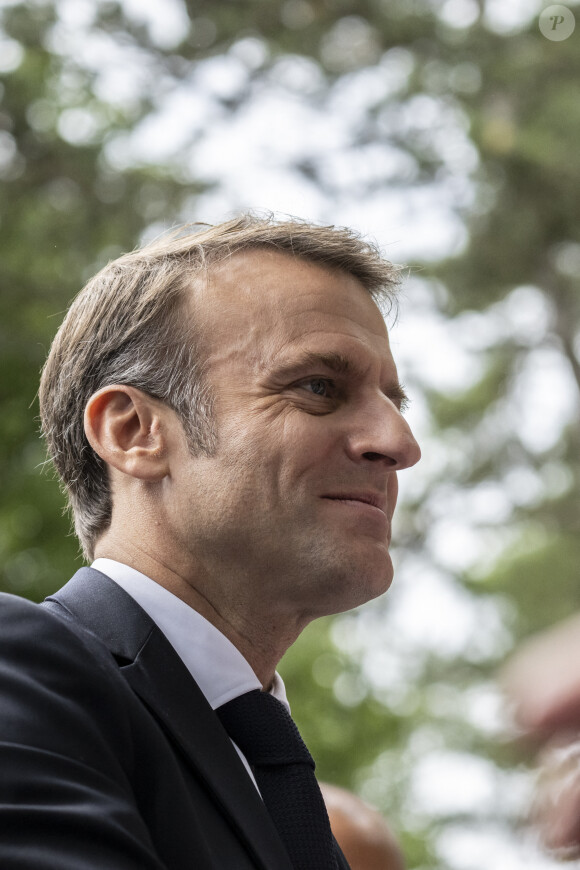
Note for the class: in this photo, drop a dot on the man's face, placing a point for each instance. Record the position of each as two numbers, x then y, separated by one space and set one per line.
309 431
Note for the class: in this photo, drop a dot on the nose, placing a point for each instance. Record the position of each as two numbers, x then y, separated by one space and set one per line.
379 432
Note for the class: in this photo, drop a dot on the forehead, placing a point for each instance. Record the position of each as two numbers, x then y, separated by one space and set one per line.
260 304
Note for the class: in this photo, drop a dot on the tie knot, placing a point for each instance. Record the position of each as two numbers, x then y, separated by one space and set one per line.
264 730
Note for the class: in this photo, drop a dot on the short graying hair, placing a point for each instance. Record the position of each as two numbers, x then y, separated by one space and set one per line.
131 325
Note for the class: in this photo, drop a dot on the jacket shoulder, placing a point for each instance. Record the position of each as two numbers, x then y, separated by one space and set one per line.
36 628
54 678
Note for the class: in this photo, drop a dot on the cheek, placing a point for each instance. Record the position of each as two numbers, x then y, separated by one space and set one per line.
306 448
276 453
309 435
253 466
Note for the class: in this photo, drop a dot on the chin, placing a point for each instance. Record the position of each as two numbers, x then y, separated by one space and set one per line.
378 586
336 577
361 586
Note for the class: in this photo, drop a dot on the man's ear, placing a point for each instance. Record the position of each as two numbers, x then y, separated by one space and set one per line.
125 427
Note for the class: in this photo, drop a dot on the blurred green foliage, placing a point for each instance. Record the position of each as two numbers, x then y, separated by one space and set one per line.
66 207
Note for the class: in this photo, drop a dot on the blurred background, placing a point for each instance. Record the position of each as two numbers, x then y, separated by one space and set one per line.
448 131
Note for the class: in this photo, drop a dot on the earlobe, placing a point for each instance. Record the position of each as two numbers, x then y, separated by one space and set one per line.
123 426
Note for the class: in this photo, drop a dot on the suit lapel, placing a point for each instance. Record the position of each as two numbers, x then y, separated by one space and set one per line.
158 676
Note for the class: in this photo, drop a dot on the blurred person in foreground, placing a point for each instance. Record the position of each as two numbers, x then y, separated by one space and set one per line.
362 833
225 415
542 684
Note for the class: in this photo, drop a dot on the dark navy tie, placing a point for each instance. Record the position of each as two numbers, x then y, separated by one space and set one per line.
284 769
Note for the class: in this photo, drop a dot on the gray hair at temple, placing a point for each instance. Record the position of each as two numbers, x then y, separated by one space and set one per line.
131 324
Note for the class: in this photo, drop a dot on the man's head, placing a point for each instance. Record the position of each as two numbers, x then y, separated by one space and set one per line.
237 388
361 832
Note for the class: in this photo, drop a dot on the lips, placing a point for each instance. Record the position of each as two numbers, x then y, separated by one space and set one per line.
373 498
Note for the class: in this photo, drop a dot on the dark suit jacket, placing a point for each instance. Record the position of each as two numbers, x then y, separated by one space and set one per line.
110 756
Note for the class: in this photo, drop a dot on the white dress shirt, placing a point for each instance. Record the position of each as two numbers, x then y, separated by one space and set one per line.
217 666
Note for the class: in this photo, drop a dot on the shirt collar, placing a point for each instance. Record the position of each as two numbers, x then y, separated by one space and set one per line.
217 666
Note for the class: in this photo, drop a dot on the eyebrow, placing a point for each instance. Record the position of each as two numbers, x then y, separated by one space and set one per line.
341 364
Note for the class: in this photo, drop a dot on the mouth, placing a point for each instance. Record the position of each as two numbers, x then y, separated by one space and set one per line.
371 499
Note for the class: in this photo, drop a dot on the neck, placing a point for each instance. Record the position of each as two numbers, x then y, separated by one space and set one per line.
261 637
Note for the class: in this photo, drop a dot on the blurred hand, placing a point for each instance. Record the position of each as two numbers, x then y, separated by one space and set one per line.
556 810
542 681
542 684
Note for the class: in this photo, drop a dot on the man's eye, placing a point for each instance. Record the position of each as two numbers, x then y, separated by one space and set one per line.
319 386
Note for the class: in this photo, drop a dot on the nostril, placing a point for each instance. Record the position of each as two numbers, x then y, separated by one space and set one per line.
374 457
